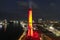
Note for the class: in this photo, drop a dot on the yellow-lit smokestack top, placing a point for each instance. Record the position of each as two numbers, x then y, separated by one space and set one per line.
30 27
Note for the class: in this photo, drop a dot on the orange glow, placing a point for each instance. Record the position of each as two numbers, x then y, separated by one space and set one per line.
30 28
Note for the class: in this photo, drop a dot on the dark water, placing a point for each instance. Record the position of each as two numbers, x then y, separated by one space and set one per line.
13 32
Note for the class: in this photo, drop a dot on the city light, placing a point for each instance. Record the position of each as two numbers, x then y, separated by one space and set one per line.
0 26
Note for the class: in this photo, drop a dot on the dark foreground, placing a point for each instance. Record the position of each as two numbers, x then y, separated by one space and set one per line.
12 32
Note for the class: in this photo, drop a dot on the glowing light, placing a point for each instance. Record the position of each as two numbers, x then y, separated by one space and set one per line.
35 36
30 30
0 26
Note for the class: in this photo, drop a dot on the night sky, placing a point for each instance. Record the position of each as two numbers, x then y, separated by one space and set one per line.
18 9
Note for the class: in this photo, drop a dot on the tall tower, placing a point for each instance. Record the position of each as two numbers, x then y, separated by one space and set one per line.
30 26
31 35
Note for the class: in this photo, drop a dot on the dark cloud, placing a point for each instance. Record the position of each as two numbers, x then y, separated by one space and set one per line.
25 4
